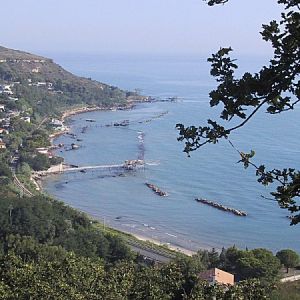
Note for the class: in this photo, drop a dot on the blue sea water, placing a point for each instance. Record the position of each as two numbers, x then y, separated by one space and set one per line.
124 202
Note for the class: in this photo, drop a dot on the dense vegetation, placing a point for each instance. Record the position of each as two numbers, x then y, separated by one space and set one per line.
46 88
48 249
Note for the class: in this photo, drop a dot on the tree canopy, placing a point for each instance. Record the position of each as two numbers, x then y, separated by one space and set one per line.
275 88
288 258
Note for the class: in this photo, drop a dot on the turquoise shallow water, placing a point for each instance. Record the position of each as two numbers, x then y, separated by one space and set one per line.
212 172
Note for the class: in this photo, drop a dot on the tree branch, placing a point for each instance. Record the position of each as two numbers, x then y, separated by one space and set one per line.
249 117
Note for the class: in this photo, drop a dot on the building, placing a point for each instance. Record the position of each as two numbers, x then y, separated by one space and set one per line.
45 151
26 119
13 98
2 145
2 107
3 131
217 276
35 70
57 124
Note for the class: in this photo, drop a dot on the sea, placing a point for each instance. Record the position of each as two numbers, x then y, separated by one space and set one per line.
120 199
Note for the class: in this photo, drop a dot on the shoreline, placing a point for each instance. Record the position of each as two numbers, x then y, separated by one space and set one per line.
36 176
130 104
168 245
39 179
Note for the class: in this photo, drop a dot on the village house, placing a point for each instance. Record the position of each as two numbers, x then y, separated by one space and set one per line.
6 89
26 119
5 122
13 113
2 145
13 98
35 70
217 276
57 124
3 131
50 86
45 151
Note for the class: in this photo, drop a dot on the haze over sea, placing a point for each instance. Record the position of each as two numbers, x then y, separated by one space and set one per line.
124 202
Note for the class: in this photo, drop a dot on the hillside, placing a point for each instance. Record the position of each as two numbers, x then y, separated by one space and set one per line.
37 83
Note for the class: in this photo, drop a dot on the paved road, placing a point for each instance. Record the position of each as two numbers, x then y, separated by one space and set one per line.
290 278
158 255
22 188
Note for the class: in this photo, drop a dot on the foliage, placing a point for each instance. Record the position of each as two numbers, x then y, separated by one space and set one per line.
39 138
55 160
50 250
5 170
287 291
257 263
50 222
244 264
288 258
38 234
37 161
58 274
58 88
70 278
275 87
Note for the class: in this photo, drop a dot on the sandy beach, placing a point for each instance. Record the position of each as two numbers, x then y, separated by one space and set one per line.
170 246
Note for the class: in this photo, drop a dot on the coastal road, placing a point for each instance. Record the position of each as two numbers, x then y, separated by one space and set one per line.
148 252
22 188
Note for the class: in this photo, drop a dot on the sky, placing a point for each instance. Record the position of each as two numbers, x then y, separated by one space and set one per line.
135 26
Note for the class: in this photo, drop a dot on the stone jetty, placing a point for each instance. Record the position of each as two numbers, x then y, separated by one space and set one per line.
222 207
123 123
156 190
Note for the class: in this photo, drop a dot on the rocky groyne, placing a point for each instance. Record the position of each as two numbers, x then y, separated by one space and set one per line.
156 190
234 211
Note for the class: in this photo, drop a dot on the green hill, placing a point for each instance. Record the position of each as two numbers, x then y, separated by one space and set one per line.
45 87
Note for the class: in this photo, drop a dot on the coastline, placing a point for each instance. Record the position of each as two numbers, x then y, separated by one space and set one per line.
85 109
159 243
39 179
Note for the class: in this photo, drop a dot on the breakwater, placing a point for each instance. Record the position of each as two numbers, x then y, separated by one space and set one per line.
156 190
236 212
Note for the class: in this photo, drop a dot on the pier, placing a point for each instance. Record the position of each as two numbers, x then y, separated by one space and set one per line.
128 165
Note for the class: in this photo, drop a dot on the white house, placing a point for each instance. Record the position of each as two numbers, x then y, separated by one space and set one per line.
2 145
56 123
3 131
13 98
7 90
26 119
